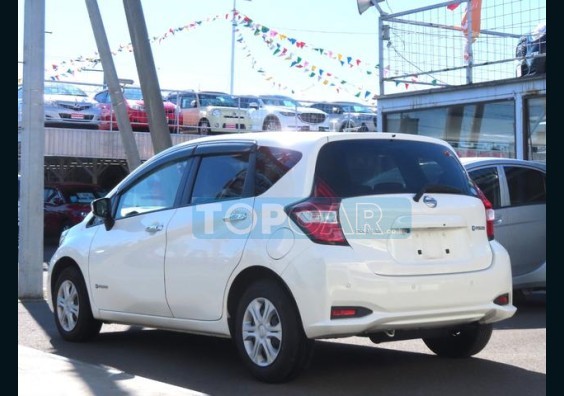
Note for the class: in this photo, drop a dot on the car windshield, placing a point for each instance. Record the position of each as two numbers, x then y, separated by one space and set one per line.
223 100
82 195
133 93
356 108
63 89
279 101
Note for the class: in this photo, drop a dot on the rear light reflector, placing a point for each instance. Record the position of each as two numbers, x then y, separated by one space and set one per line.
318 218
349 312
502 300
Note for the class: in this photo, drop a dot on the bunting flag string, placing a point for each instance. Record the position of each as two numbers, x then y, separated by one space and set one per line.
268 35
343 60
323 77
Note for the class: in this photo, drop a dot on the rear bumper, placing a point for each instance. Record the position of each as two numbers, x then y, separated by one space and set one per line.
394 302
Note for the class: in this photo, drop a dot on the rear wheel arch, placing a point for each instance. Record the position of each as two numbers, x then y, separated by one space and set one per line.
243 281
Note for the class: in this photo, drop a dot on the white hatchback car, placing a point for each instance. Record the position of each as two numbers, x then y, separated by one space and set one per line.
278 239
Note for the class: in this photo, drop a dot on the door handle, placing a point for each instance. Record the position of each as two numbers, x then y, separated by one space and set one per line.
154 228
239 216
498 220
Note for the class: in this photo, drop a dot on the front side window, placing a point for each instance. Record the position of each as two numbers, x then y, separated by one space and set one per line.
156 191
526 186
220 177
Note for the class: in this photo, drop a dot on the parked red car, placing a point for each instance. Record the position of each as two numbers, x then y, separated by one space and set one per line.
135 110
66 204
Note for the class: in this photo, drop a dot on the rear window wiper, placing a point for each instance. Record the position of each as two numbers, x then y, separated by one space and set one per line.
437 188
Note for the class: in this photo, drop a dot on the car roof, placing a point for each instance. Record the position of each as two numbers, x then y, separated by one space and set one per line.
295 139
474 162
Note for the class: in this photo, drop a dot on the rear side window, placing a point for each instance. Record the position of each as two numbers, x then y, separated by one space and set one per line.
526 186
273 163
364 167
220 177
488 181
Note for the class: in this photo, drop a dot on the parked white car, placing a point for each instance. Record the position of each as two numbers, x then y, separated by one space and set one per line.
210 112
282 113
276 240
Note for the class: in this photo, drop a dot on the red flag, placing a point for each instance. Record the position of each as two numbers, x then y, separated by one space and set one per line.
453 6
476 10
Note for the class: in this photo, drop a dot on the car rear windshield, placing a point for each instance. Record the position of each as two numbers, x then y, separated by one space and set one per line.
352 168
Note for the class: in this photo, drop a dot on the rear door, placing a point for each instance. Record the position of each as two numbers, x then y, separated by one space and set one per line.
444 231
518 195
206 237
521 227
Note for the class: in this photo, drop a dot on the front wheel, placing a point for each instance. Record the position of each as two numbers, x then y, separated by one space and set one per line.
462 342
204 127
268 333
271 124
73 315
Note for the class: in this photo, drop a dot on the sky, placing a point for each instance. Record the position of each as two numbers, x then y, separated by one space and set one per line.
191 44
199 58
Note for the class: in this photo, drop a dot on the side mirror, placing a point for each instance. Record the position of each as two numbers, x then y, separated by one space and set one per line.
193 103
102 208
58 201
336 110
253 105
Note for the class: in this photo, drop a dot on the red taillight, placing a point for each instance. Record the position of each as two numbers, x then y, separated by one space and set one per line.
318 218
490 214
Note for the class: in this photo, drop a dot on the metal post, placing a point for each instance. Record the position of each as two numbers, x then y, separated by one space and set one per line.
469 39
158 126
381 54
110 76
233 26
30 244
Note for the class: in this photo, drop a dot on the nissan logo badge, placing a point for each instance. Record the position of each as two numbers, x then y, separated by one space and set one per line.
430 201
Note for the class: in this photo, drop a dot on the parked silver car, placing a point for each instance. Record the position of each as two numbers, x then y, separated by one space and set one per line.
66 105
517 191
348 116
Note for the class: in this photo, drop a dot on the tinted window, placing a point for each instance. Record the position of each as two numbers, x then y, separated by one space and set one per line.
361 167
220 177
273 163
488 181
155 191
526 186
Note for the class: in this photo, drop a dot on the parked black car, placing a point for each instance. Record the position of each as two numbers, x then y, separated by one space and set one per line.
531 52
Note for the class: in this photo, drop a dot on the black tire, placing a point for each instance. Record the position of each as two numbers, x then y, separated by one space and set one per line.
72 311
204 128
288 351
271 124
461 343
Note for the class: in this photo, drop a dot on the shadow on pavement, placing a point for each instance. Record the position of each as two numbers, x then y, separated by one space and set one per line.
211 365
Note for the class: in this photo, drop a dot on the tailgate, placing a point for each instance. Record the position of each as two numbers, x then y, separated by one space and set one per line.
397 236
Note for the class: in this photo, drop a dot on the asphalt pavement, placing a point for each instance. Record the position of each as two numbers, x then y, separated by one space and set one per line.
128 360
